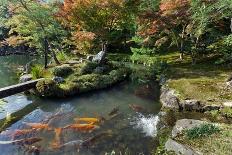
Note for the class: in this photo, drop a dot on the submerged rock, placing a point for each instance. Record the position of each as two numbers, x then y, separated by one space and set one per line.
169 99
25 78
179 149
148 91
185 124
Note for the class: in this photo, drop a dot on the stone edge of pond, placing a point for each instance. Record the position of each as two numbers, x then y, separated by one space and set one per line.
170 101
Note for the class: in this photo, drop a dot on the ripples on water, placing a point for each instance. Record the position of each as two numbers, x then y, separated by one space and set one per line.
147 124
129 131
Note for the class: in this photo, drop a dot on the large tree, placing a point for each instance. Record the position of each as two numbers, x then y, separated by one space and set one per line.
167 17
98 20
35 23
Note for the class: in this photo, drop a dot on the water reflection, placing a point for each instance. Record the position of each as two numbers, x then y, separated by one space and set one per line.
90 124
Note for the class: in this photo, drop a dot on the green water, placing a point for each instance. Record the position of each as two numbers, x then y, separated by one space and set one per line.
129 131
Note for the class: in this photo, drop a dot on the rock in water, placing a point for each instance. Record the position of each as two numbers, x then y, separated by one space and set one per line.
99 57
25 78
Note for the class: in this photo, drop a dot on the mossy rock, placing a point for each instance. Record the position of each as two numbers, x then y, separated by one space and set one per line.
81 84
62 71
48 88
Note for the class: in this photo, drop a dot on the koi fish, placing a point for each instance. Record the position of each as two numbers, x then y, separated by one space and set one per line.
136 108
88 120
82 143
58 137
82 127
38 126
93 139
56 117
113 111
72 144
27 141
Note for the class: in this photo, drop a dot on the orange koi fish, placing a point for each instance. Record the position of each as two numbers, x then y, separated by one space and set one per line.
137 108
38 126
88 120
57 141
82 127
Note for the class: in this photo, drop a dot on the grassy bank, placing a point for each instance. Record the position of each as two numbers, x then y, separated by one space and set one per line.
218 143
203 81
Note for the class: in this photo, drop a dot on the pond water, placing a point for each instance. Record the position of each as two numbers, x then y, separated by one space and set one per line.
123 131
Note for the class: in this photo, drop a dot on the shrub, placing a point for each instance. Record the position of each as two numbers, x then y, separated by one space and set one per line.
62 56
47 88
62 71
202 131
88 68
37 71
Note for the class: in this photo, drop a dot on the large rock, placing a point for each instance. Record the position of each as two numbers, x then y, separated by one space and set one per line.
169 99
211 107
185 124
227 104
179 149
58 79
98 58
191 105
25 78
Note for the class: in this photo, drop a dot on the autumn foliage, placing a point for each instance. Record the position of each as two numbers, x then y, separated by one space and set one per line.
95 20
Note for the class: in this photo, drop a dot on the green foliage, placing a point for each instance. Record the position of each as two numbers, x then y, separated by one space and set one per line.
81 83
202 131
227 112
62 56
143 51
62 71
143 56
37 71
163 136
88 68
47 88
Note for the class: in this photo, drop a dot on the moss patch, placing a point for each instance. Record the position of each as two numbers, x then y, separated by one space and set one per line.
204 81
82 80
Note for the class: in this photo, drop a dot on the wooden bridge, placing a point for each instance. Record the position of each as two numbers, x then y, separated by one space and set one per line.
18 88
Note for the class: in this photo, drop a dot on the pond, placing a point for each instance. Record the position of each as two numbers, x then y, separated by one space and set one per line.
126 122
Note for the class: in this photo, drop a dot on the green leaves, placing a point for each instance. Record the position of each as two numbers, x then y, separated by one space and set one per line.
34 21
202 131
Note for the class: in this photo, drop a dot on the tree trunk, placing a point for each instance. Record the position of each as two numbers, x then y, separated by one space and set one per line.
182 43
45 53
231 24
53 54
55 58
